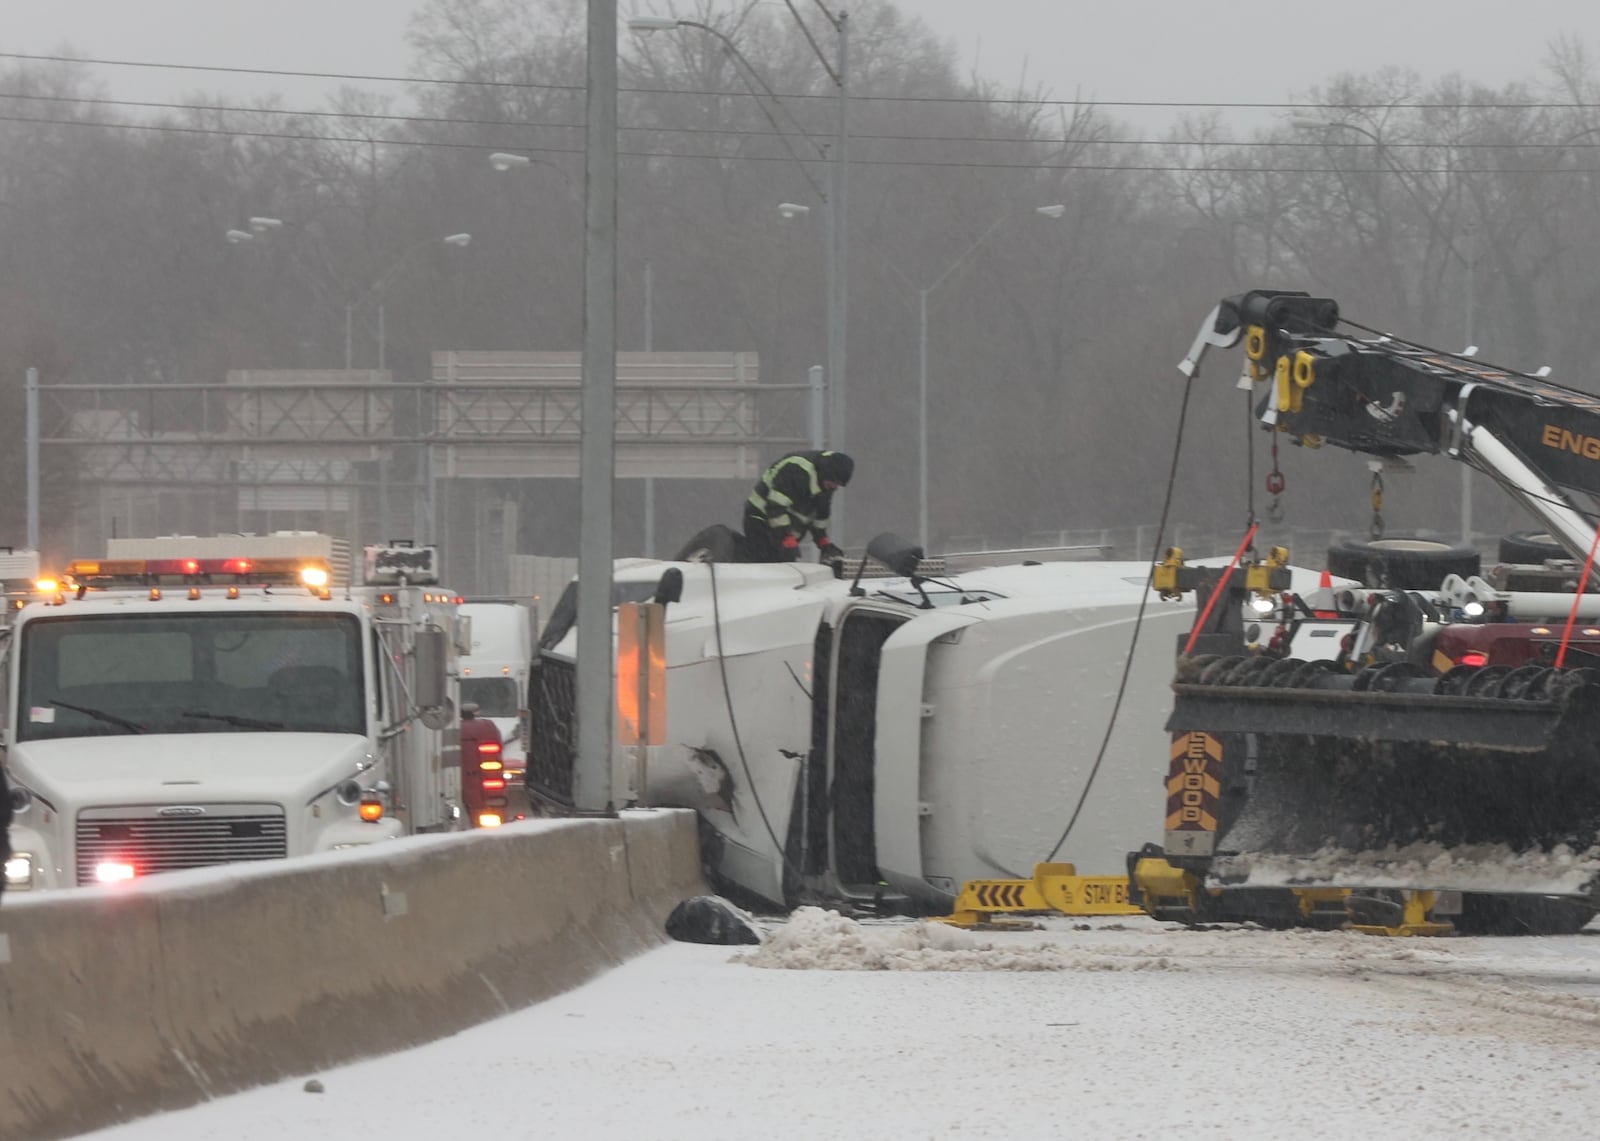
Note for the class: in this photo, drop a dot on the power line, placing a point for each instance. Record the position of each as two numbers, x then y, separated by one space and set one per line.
1158 104
445 120
1147 168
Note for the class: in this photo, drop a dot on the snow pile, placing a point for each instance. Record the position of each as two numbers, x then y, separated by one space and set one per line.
814 939
1480 867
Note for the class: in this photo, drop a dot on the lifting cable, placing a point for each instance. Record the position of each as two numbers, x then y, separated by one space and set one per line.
1138 621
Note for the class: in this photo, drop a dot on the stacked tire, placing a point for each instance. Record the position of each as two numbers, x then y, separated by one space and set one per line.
1402 562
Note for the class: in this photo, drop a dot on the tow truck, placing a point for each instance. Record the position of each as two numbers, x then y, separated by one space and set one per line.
1446 749
170 710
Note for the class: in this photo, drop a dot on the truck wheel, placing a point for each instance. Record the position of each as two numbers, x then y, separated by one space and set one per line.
1530 547
716 544
1402 562
1484 914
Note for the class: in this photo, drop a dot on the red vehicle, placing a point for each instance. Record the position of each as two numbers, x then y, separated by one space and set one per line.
483 775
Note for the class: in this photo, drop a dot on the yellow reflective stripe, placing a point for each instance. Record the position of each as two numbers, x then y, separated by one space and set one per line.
803 464
776 496
778 520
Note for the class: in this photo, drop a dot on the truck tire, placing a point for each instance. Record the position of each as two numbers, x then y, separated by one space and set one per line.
715 544
1530 547
1402 562
1484 914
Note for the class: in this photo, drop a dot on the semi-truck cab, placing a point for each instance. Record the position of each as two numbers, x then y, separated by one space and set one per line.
175 710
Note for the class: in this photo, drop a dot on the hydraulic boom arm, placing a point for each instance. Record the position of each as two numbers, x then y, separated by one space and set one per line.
1393 398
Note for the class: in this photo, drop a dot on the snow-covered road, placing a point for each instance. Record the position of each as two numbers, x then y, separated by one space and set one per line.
1087 1029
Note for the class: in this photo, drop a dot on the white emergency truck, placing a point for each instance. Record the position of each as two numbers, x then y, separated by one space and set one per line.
494 672
494 679
177 707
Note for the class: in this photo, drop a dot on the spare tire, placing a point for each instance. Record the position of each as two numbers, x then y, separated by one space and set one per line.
715 544
1531 547
1402 562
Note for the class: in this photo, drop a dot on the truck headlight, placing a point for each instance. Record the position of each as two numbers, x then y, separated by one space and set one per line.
19 871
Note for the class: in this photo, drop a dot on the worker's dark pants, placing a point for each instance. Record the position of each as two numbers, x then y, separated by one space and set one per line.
762 544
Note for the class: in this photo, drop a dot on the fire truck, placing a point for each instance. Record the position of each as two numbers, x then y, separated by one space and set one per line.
177 707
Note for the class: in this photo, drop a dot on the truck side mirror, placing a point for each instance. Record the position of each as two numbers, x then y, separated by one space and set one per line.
670 588
900 555
431 653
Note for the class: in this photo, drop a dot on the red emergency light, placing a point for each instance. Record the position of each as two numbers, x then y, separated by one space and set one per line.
103 573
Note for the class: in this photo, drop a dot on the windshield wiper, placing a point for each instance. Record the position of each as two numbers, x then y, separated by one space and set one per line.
100 715
231 719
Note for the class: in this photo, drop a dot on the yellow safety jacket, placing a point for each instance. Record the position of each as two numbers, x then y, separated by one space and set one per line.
789 496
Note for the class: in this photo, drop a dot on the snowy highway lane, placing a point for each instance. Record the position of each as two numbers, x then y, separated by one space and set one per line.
1087 1029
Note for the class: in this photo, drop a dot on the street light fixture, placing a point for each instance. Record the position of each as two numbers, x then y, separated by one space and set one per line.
793 209
1052 212
261 225
644 25
500 160
237 236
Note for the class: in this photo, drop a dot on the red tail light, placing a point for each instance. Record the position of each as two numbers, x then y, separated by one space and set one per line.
490 747
494 784
1473 658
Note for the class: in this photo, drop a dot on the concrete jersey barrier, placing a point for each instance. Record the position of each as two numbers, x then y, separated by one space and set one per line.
121 1003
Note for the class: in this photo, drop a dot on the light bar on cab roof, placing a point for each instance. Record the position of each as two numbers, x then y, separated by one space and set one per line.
141 572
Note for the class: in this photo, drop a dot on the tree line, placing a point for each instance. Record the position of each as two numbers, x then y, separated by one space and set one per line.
1439 209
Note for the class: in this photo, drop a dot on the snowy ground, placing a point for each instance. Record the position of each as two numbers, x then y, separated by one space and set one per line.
1122 1029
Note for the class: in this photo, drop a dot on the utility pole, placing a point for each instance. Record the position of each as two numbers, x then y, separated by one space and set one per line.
31 413
839 256
649 347
592 778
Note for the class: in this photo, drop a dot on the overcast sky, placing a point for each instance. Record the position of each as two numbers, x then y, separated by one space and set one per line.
1111 50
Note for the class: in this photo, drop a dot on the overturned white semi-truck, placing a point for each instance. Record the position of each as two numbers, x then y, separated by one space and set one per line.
890 737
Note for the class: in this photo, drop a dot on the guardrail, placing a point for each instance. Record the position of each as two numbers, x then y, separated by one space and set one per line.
126 1002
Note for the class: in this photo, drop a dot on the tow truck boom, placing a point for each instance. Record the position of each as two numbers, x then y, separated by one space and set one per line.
1392 398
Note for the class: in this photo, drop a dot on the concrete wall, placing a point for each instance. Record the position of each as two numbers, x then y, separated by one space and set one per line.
119 1003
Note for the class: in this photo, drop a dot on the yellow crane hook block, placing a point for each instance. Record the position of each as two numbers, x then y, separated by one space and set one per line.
1054 888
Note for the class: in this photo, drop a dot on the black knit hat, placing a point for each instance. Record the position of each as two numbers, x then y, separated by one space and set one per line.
835 467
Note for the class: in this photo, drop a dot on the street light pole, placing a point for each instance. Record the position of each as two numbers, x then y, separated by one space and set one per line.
1405 175
838 194
592 776
839 211
923 292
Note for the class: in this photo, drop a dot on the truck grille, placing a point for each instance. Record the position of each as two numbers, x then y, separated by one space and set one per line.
552 711
171 838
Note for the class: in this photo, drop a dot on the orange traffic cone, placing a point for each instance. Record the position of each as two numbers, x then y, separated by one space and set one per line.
1325 590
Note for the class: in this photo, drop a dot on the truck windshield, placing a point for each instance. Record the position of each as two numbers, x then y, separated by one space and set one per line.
207 672
494 696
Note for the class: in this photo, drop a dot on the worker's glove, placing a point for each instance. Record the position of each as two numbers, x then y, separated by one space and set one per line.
791 545
829 554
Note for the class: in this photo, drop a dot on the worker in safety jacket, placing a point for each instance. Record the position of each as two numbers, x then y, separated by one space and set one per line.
791 500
